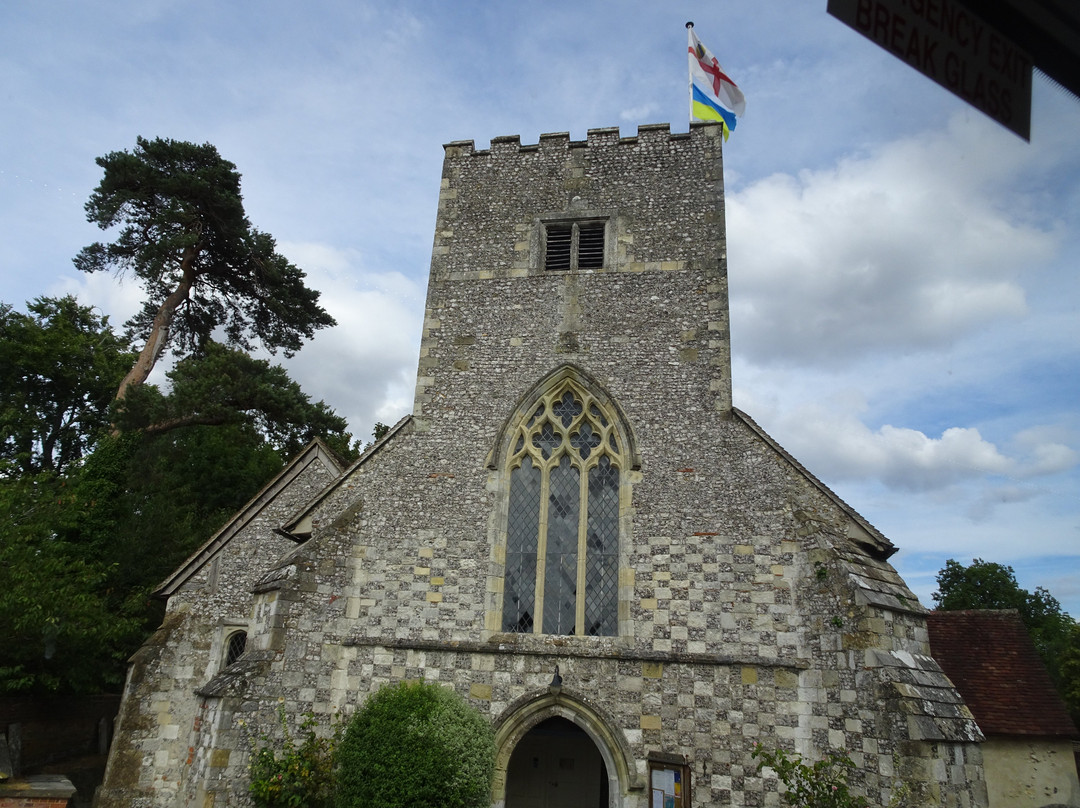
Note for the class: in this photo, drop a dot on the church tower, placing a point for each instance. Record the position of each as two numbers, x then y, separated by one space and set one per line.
575 530
607 254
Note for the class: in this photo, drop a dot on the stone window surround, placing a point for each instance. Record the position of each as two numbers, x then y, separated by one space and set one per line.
575 214
219 644
499 481
564 477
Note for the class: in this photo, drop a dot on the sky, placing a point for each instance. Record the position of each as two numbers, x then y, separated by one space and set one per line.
904 272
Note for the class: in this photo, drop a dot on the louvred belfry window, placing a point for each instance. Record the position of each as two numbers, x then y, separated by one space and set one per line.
574 245
562 536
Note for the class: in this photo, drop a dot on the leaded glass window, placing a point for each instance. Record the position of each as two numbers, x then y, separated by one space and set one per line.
235 647
562 532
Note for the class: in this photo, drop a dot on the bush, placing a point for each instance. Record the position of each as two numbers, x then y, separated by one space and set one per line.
290 775
819 785
416 744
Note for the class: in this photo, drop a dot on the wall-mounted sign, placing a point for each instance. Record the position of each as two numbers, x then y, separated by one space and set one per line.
669 784
955 47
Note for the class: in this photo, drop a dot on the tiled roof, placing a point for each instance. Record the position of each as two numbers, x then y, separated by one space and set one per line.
917 689
991 659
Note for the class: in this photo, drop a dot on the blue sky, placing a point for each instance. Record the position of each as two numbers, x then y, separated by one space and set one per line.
904 273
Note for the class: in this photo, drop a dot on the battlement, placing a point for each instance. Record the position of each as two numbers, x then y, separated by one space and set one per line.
495 203
606 137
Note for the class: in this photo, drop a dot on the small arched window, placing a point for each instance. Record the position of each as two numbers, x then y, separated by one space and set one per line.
235 646
563 516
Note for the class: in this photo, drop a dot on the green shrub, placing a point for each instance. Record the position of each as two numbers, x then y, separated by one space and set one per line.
818 785
416 744
285 774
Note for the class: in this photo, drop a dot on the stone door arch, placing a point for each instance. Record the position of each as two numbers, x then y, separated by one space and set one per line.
563 715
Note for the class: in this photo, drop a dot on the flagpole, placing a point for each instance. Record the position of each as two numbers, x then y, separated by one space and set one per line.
690 85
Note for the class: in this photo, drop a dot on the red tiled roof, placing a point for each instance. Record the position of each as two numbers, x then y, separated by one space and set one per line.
991 659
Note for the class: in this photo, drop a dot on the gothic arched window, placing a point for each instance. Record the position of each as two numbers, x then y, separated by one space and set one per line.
562 531
235 646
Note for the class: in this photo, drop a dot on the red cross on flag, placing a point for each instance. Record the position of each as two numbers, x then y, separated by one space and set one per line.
713 95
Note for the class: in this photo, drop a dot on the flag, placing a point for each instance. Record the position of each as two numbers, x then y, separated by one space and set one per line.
713 95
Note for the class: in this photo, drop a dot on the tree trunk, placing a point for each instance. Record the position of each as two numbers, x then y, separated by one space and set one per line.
183 421
159 331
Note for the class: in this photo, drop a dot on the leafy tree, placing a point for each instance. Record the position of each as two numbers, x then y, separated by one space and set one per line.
188 459
988 585
60 363
59 629
377 433
1069 673
91 523
221 385
205 269
416 743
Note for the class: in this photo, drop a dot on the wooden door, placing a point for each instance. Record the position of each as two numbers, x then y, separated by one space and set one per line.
556 765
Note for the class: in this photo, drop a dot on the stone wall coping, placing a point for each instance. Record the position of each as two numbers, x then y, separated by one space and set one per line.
504 645
38 786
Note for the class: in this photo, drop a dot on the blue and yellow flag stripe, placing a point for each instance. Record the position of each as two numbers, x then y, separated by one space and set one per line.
705 108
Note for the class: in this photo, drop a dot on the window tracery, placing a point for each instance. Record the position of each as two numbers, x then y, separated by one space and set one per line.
562 536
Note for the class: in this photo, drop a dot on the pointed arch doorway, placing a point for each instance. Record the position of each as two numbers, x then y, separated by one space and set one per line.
557 765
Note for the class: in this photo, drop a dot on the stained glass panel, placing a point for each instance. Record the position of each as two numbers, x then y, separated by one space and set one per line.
547 440
602 551
560 568
566 408
585 440
599 416
535 415
565 434
237 644
523 528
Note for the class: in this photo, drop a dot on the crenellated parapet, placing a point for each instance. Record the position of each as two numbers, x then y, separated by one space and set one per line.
605 137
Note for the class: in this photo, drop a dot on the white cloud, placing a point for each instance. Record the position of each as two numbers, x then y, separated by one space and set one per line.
986 505
837 445
909 247
1046 450
120 298
365 366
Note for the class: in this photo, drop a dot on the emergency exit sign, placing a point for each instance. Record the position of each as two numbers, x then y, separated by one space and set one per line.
950 44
